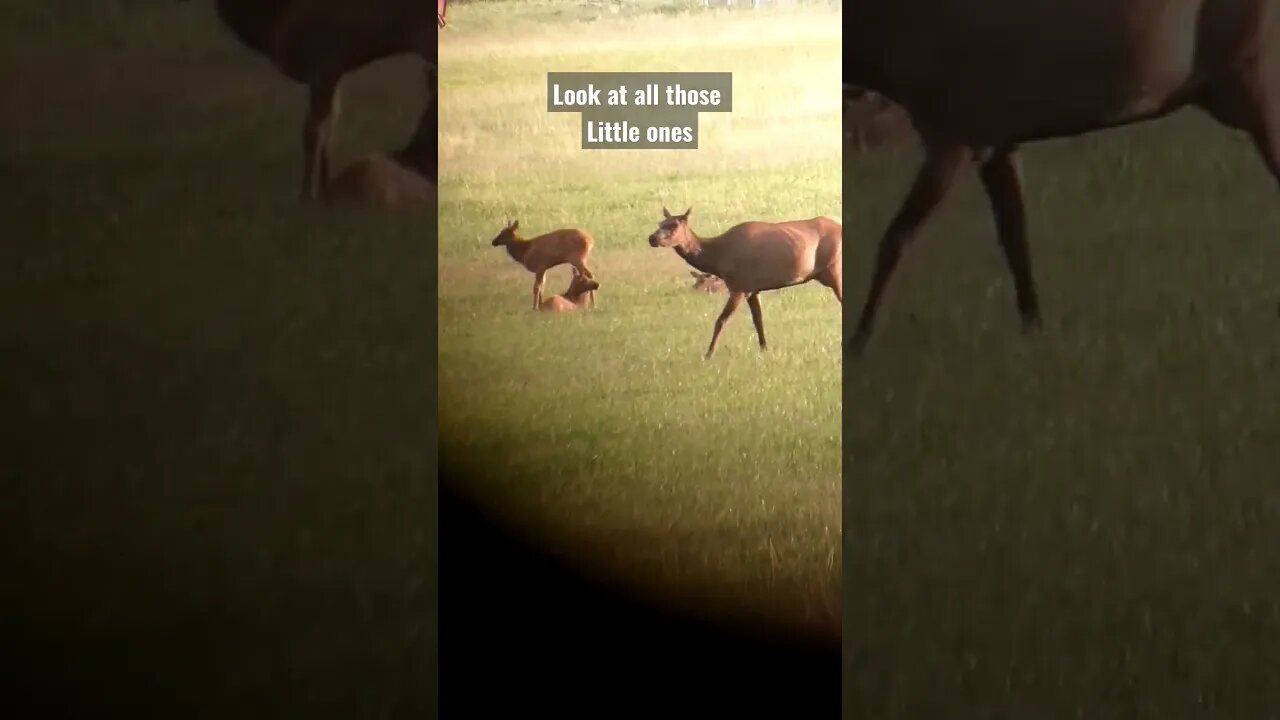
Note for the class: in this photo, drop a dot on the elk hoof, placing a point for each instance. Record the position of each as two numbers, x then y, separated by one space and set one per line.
1031 325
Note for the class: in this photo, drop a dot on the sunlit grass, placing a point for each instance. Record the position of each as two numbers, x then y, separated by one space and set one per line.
605 432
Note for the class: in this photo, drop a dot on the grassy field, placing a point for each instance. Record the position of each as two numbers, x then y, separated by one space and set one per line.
1078 525
604 434
219 494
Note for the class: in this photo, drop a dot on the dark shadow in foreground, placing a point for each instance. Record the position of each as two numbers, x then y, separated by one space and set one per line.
522 631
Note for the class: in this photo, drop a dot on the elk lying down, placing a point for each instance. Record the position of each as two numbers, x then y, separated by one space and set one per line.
580 289
541 253
707 283
381 181
753 257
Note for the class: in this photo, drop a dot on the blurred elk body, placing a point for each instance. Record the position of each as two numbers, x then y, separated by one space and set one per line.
979 79
317 42
379 181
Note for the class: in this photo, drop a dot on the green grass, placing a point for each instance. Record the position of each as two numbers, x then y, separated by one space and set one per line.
222 477
1077 525
604 433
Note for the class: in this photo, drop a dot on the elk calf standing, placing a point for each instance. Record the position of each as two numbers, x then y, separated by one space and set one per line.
541 253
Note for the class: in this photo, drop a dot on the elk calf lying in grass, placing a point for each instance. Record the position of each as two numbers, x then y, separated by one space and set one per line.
380 181
753 257
707 283
541 253
580 289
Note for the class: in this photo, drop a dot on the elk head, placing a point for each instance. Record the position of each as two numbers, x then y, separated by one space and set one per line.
508 234
672 231
581 285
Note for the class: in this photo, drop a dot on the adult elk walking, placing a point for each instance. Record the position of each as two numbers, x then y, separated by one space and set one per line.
978 80
753 257
317 42
539 254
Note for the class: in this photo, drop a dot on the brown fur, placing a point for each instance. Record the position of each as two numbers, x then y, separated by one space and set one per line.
978 84
870 121
317 42
379 181
541 253
580 289
753 257
707 283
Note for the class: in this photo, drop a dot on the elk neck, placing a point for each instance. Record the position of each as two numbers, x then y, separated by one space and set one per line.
694 252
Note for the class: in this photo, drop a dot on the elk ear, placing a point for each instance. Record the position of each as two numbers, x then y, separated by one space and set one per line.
515 224
665 214
686 212
694 274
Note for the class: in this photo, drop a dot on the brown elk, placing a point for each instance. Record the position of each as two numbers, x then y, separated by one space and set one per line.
580 289
707 283
378 181
979 81
753 257
870 121
317 42
539 254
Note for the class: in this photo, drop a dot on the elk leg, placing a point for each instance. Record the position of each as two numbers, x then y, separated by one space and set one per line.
1246 102
932 182
1002 179
1266 133
1264 128
316 132
833 278
417 154
538 280
326 139
735 299
753 302
1268 143
1251 104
